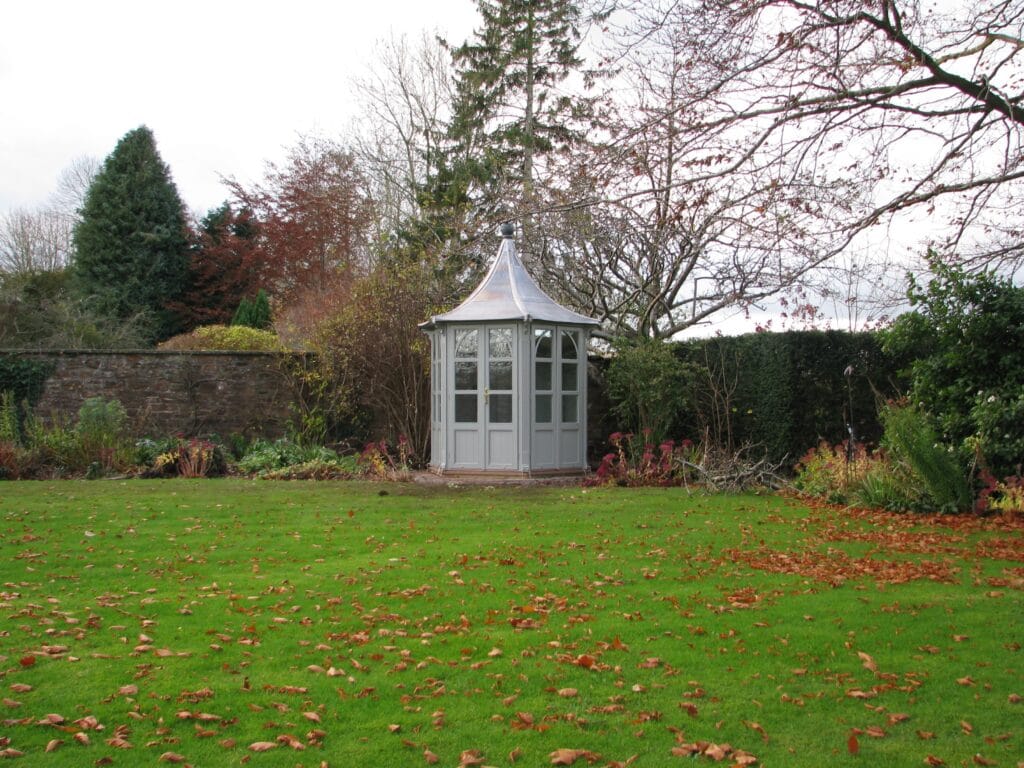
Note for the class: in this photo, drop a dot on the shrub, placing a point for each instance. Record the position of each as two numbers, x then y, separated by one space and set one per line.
233 338
965 339
264 456
101 430
649 386
254 313
841 474
386 462
912 439
193 457
340 468
1004 497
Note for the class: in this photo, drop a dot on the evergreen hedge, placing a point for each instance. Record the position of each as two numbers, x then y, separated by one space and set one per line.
788 391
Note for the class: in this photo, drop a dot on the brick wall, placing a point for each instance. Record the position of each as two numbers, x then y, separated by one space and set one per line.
163 392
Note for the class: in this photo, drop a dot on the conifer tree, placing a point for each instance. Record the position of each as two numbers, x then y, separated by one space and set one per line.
512 107
132 243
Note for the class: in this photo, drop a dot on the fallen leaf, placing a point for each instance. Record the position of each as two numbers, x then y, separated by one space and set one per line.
470 757
852 745
568 693
262 746
979 760
430 757
171 757
933 760
128 690
570 756
53 745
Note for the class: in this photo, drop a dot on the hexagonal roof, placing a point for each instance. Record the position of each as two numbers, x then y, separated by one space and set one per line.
507 292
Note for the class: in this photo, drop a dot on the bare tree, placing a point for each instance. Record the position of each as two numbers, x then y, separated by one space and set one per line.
72 184
34 241
405 98
851 112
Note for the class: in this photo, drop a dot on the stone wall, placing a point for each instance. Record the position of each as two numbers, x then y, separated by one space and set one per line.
163 392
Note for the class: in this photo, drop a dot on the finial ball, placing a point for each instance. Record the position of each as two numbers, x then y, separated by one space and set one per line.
508 229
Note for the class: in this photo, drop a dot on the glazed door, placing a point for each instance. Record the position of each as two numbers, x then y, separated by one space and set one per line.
498 365
483 406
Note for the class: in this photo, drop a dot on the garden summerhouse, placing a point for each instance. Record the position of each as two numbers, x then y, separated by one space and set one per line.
508 378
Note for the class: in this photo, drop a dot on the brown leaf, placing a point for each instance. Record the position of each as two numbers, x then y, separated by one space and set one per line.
394 727
925 735
979 760
568 693
312 716
171 757
128 690
570 756
898 717
966 727
53 745
716 752
965 680
82 738
119 743
759 728
21 688
470 757
262 746
1013 698
430 757
515 754
932 760
874 732
10 752
852 745
869 663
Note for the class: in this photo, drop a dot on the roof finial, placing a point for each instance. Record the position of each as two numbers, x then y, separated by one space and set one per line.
508 229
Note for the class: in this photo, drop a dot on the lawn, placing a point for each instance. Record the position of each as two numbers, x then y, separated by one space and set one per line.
224 622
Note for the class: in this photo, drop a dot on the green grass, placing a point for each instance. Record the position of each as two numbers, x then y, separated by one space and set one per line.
747 620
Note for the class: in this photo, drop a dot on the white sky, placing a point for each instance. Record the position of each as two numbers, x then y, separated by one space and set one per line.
224 85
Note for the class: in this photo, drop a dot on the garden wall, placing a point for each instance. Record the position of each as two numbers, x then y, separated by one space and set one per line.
164 392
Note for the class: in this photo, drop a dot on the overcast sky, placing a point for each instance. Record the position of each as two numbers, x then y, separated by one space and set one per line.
225 85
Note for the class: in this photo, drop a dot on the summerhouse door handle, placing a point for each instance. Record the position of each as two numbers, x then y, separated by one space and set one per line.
487 394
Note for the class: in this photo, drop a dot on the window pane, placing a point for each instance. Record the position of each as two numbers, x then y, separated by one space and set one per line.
465 408
543 376
569 377
569 415
501 409
543 409
465 375
500 374
568 345
465 343
542 342
500 342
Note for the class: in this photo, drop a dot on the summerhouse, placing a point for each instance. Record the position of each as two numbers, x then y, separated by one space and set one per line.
508 378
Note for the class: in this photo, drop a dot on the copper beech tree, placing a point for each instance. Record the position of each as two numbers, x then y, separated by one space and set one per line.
313 214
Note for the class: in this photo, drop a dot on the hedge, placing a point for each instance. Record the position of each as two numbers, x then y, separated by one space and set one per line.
789 390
